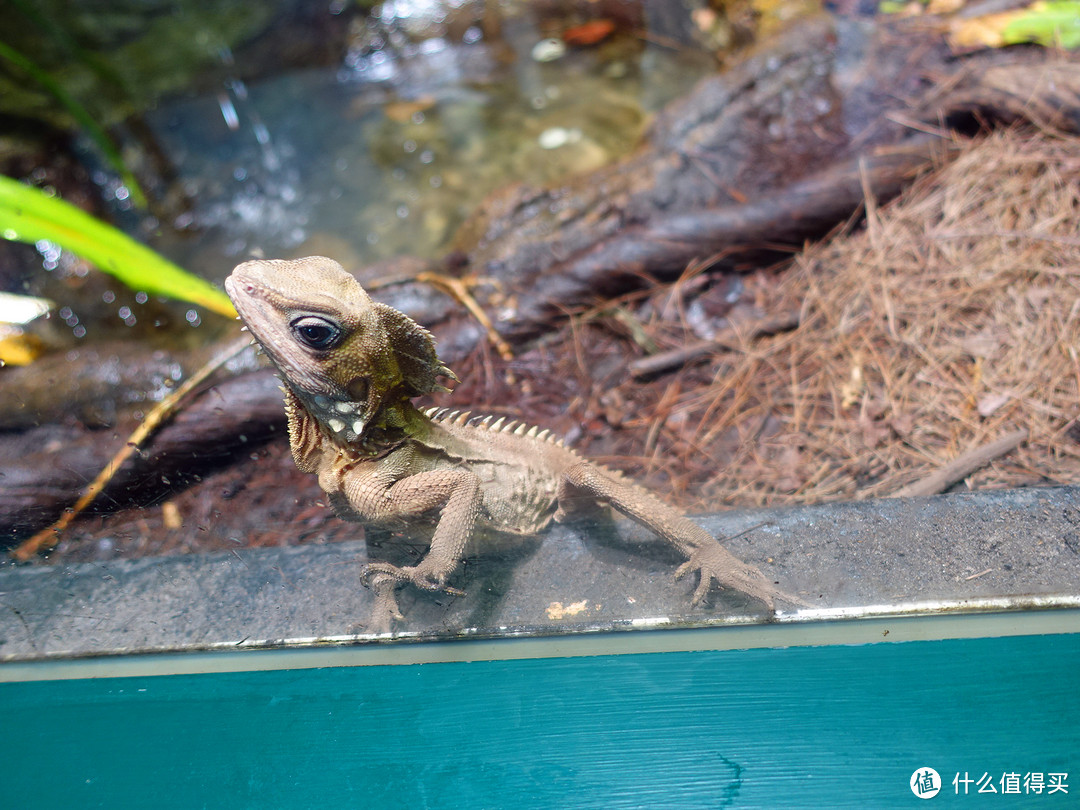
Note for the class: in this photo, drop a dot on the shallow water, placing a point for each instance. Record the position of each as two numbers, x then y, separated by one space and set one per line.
386 152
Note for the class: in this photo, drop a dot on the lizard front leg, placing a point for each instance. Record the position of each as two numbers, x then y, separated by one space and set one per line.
454 493
583 485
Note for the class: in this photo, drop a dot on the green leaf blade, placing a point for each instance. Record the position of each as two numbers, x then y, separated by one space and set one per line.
30 215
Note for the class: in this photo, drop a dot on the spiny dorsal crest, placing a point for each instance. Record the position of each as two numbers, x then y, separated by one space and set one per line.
446 416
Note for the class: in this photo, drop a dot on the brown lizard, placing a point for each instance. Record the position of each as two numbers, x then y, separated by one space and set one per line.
352 367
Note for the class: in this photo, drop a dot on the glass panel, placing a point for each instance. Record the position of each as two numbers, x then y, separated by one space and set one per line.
980 552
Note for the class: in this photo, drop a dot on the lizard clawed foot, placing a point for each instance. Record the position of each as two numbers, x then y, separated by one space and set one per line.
716 564
384 580
411 574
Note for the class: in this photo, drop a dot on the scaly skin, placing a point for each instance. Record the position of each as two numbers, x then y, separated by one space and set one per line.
351 367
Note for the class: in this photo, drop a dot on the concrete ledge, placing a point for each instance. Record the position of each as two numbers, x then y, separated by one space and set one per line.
863 558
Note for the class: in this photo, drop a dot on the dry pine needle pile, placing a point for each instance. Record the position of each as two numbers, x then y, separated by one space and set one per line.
951 319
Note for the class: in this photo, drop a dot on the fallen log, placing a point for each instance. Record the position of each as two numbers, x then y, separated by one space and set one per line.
788 216
46 468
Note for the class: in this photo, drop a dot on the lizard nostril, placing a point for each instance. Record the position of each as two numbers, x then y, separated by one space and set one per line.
358 389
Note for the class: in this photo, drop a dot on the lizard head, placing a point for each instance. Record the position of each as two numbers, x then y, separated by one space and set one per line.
345 356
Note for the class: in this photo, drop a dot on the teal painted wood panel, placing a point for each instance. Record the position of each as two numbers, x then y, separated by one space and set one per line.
797 727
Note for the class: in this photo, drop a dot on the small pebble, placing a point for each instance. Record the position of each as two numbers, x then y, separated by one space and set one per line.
555 137
548 50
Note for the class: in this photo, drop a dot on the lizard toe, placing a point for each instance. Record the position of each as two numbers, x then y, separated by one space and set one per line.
421 581
385 610
371 573
409 574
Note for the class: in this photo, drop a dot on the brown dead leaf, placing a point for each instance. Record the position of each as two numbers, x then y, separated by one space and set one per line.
987 342
982 32
556 610
874 433
851 391
402 112
170 515
989 404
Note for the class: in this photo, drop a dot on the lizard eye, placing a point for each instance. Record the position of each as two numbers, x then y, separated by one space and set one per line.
316 333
